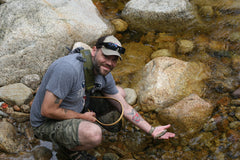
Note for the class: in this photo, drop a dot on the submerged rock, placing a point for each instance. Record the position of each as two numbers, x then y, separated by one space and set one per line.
186 116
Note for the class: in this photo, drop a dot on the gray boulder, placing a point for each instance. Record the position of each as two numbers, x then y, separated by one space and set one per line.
159 15
35 33
17 93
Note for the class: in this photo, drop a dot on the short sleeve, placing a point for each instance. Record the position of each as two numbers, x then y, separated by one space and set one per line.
110 86
61 80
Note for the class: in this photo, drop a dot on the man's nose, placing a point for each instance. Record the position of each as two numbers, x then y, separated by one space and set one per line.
110 62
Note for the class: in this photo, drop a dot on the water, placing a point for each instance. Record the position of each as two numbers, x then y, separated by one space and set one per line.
222 142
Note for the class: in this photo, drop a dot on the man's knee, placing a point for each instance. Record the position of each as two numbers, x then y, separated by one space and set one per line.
89 133
95 135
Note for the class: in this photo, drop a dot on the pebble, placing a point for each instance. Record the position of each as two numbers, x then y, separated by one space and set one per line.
120 25
131 96
16 108
235 102
237 113
25 108
110 156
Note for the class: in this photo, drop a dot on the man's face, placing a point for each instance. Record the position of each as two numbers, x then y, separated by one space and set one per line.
103 64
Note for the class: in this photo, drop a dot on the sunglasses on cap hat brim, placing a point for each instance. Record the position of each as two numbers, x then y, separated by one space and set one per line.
113 47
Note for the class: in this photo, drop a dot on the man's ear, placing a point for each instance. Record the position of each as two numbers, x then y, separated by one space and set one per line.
94 49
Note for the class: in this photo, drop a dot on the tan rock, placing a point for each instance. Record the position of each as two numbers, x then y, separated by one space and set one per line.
236 62
186 116
167 80
217 46
161 53
206 11
185 46
8 135
120 25
16 93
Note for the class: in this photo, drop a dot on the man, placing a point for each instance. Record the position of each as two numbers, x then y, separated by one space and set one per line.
56 112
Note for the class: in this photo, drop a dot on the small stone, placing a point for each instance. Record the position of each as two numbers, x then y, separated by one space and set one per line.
233 135
16 108
237 113
120 25
25 108
217 46
131 96
235 102
206 11
234 125
110 156
234 37
185 46
161 53
42 153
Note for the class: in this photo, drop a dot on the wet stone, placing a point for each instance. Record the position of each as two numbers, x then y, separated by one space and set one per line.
25 108
237 113
235 125
110 156
233 136
42 153
16 108
131 96
235 102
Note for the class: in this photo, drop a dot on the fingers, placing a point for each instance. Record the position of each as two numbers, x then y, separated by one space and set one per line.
164 134
167 135
167 126
160 134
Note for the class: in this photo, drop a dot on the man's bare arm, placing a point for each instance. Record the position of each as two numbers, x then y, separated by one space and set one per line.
50 108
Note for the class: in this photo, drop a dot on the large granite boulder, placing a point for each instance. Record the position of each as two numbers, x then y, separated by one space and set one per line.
35 33
162 16
167 80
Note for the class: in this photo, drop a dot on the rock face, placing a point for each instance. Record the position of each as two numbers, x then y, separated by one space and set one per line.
186 116
35 33
145 15
167 80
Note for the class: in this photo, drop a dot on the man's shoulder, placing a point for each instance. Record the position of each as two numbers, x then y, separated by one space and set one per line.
68 61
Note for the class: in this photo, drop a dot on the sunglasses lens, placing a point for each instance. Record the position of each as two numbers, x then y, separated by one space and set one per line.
114 47
121 50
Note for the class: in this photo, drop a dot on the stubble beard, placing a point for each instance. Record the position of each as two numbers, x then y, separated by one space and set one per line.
97 68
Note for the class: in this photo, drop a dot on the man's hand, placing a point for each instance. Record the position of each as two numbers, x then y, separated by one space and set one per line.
160 132
89 116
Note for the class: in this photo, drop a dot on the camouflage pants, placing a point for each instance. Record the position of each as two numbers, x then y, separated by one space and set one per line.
64 133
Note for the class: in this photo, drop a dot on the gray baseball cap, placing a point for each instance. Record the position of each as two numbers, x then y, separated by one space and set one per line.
107 51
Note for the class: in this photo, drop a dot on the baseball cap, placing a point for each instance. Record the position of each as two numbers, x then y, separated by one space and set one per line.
111 46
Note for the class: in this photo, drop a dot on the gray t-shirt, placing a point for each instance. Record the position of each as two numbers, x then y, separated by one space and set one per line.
65 79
